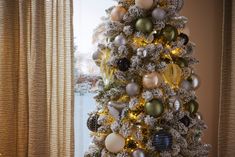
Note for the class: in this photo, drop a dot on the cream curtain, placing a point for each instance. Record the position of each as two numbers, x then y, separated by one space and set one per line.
36 78
226 139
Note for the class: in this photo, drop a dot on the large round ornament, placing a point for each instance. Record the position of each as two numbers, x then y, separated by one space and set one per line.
144 4
192 106
144 25
169 33
154 108
114 142
120 40
195 81
92 123
132 89
162 141
158 14
151 80
138 153
123 64
172 75
118 13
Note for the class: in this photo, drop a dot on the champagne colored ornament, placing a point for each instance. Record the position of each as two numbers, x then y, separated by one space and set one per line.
195 81
144 4
154 108
120 40
172 75
192 106
151 80
158 14
138 153
118 13
144 25
132 89
169 33
114 142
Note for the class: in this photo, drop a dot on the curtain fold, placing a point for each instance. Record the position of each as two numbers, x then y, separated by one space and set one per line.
226 140
36 78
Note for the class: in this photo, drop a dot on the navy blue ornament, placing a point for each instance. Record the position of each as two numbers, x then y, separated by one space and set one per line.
162 141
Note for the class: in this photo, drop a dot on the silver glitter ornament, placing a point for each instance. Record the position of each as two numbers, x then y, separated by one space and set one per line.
120 40
132 89
138 153
174 103
186 85
158 14
195 81
178 4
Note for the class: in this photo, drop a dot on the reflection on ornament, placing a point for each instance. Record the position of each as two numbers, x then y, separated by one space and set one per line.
199 116
140 42
172 75
114 142
118 13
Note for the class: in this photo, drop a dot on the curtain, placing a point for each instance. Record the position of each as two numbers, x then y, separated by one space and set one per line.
36 78
226 141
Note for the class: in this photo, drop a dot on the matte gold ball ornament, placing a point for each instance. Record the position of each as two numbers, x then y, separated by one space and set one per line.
172 75
118 13
151 80
154 108
114 142
144 4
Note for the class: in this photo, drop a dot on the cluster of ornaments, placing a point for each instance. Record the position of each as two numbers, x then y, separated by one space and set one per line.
171 75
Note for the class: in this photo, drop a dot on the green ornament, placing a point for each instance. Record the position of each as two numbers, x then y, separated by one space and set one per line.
169 33
154 108
144 25
192 106
181 62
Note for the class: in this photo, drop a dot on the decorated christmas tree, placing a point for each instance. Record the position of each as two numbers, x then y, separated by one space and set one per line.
146 101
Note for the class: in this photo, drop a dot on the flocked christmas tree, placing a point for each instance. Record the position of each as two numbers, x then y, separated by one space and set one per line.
146 102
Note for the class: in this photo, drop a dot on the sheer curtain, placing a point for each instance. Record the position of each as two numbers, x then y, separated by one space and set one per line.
227 104
36 78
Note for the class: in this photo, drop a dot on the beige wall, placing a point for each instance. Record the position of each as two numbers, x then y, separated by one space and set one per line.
205 22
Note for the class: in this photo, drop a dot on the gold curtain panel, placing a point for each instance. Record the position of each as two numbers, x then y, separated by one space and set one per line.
36 78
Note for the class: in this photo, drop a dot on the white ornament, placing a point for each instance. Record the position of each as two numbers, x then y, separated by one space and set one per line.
144 4
114 142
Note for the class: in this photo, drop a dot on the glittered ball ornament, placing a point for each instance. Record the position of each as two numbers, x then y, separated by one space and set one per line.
159 14
151 80
154 108
123 64
162 141
114 143
144 25
194 81
118 13
92 123
169 33
144 4
138 153
120 40
132 89
192 106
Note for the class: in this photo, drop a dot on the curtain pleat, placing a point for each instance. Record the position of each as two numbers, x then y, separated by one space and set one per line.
226 141
36 78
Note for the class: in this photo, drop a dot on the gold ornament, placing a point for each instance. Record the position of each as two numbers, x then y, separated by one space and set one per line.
123 99
131 144
172 75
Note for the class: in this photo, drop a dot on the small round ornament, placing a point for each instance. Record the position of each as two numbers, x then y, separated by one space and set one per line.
158 14
154 108
169 33
151 80
114 142
186 85
92 123
184 38
192 106
132 89
185 120
172 75
181 62
144 25
123 64
144 4
118 13
120 40
138 153
195 81
162 141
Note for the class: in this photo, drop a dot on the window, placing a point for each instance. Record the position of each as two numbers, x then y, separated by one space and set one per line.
87 14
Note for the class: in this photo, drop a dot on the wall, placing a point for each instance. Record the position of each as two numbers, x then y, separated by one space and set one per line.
205 23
